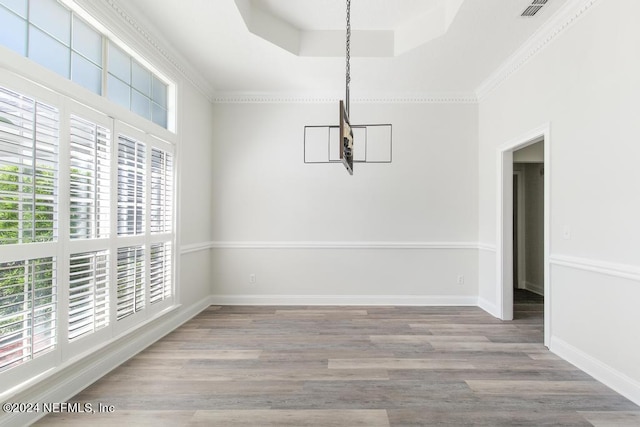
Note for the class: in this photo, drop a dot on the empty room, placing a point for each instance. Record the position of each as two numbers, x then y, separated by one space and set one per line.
319 212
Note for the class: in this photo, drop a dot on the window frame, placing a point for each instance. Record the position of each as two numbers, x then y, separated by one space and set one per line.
21 75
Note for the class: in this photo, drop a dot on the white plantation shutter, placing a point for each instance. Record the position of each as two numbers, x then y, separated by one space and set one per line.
160 272
108 252
131 186
28 169
88 293
131 281
27 310
161 191
89 179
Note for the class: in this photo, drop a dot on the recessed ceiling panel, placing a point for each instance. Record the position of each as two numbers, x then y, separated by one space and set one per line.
311 27
314 15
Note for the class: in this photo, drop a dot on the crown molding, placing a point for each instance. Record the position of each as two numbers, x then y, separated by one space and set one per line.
563 19
137 33
331 97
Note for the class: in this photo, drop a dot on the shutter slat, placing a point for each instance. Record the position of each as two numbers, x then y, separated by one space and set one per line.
130 286
89 179
28 322
131 186
160 272
88 293
161 191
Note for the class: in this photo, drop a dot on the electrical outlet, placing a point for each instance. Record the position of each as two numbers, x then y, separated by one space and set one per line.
460 280
252 278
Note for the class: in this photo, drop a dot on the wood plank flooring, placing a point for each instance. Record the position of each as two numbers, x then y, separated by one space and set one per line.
352 366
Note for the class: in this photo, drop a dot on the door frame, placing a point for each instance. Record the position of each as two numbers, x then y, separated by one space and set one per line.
504 228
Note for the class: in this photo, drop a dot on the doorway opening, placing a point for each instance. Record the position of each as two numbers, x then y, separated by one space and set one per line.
523 224
528 233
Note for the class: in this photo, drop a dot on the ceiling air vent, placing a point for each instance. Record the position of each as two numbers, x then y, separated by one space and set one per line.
533 8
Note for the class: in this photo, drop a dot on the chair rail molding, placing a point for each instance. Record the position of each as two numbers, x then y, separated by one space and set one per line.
624 271
343 245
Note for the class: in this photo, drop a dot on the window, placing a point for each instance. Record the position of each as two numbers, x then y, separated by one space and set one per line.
13 25
29 147
136 88
54 37
57 38
86 196
100 233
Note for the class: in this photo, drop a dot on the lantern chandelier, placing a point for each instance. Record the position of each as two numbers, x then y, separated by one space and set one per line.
374 141
346 133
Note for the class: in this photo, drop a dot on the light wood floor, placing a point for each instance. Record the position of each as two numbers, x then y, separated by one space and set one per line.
352 366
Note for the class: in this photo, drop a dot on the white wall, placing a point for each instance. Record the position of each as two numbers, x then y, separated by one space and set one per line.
585 84
264 192
195 151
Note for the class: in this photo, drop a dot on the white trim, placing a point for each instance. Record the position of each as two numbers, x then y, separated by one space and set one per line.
504 223
219 244
195 247
568 15
624 271
64 382
488 247
504 230
618 381
488 306
342 245
346 300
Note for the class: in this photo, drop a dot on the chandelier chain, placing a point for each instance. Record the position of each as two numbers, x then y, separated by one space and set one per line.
348 54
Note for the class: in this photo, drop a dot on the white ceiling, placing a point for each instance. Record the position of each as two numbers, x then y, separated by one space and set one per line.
379 28
215 38
330 14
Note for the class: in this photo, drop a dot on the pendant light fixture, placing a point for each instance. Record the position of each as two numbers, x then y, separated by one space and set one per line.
346 133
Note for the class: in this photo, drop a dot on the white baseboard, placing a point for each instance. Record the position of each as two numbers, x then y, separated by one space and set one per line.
489 307
67 382
534 287
602 372
375 300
